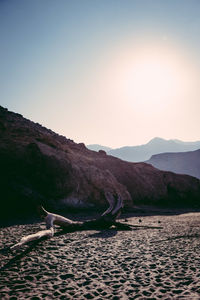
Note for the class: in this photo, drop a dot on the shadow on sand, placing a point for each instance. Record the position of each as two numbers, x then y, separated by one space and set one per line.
105 233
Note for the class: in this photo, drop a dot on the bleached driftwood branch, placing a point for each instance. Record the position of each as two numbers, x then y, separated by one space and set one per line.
33 237
105 221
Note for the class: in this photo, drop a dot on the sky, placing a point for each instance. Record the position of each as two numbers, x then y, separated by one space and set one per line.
111 72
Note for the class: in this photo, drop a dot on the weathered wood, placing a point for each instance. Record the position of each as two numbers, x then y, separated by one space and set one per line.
32 237
105 221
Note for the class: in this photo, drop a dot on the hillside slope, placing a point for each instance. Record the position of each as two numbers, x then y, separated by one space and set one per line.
40 166
181 163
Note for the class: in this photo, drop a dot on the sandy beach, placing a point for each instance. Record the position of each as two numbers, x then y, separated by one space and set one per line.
139 264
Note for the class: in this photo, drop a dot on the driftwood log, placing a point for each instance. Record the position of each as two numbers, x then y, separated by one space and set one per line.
105 221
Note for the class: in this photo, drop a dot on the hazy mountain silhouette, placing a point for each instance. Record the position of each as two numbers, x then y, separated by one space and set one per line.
97 147
155 146
182 162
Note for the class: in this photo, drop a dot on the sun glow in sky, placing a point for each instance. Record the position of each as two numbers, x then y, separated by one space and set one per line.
154 79
114 73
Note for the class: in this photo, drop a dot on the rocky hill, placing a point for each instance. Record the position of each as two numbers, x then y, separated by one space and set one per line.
181 163
40 166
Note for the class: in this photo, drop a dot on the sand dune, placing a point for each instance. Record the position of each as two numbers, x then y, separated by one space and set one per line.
141 264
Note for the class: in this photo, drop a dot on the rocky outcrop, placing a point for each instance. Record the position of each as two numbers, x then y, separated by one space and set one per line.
40 166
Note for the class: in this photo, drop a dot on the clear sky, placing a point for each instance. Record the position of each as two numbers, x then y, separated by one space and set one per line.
112 72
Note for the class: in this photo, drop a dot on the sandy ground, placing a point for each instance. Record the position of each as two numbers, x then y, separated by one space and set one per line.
139 264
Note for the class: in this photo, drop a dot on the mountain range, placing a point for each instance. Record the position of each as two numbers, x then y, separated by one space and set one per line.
181 163
39 166
144 152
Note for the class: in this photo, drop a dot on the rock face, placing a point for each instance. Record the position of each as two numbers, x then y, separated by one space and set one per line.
40 166
181 163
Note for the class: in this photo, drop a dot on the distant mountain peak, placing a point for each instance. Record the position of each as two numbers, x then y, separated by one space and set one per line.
97 147
156 140
154 146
